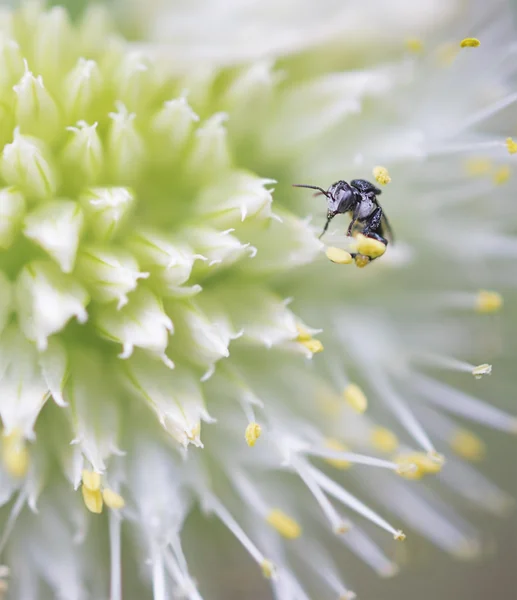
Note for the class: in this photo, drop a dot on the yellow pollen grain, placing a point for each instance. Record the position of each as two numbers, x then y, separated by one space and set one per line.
252 434
511 146
470 42
355 398
480 370
91 480
15 455
337 446
383 439
313 346
475 166
415 45
501 175
488 302
92 499
268 569
112 499
381 175
399 535
361 261
338 255
369 247
284 524
467 445
415 465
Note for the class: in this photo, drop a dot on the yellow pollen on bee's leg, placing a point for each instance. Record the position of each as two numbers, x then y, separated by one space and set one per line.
480 370
92 499
91 480
488 302
381 175
369 247
112 499
415 45
501 175
338 255
355 398
252 433
470 42
284 524
383 439
467 445
511 146
15 455
336 445
361 261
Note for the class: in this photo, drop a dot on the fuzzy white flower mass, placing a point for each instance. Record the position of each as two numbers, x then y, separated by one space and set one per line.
174 337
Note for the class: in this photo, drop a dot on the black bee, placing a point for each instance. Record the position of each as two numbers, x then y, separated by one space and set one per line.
359 198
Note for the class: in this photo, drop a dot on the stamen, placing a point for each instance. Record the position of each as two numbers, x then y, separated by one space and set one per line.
480 370
91 480
112 499
313 346
115 554
383 439
333 444
467 445
284 524
355 398
470 43
92 499
15 455
488 302
338 255
425 465
501 175
363 547
381 175
335 456
158 576
332 488
415 45
369 247
511 146
268 569
252 433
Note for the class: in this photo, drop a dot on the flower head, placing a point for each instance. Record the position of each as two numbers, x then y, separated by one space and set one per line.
173 338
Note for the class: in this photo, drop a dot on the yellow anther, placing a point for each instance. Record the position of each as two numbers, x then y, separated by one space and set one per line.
338 255
337 446
437 458
268 569
480 370
467 445
511 146
415 465
383 439
252 433
15 455
399 535
501 175
112 499
313 346
470 43
92 499
361 261
488 302
381 175
303 334
415 45
91 480
355 398
477 166
369 247
284 524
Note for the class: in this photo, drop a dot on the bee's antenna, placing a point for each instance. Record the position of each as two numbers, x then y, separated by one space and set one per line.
312 187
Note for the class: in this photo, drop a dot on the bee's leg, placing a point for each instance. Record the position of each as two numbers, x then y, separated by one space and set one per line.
372 224
377 237
353 222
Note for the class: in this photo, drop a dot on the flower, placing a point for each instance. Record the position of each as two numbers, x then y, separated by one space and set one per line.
163 319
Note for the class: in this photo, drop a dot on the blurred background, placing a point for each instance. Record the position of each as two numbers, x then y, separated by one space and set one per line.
426 573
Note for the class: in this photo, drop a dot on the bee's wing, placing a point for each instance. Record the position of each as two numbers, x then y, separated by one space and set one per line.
385 229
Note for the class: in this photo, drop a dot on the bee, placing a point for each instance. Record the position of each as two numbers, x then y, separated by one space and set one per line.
359 199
